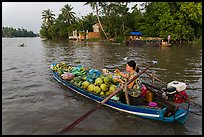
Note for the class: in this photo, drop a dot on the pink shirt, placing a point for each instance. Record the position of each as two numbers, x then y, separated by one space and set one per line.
169 36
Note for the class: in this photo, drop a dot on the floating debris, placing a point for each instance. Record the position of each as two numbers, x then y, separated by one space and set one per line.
22 45
77 61
126 58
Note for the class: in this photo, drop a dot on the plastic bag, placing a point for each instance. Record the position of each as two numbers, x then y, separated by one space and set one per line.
68 76
92 75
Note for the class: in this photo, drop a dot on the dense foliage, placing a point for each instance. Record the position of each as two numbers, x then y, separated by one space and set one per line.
182 20
20 32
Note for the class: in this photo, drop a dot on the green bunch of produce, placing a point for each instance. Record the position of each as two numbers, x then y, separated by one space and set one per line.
90 88
62 66
83 71
99 81
77 79
85 84
84 78
112 88
107 80
60 71
97 89
68 68
102 94
79 71
79 83
102 86
54 68
72 81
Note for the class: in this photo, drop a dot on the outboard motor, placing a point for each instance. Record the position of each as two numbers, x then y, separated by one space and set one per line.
175 91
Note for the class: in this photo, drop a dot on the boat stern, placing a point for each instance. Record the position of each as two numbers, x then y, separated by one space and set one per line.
180 116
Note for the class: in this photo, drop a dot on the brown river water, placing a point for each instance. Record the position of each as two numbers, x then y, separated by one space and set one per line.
34 103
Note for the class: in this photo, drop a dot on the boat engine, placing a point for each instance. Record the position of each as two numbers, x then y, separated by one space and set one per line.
175 92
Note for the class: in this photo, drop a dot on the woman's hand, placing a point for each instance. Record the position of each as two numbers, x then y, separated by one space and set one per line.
119 80
117 71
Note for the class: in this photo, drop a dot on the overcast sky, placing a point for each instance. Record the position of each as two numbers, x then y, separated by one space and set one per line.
28 14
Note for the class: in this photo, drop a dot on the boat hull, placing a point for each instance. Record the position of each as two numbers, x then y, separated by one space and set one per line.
141 111
165 45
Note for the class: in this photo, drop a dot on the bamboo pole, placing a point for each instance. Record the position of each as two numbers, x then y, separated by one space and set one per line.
165 83
126 94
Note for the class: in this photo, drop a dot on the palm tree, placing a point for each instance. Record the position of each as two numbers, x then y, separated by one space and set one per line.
48 17
48 21
67 14
67 17
94 5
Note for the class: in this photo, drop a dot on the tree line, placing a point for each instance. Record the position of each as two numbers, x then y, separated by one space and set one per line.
20 32
182 20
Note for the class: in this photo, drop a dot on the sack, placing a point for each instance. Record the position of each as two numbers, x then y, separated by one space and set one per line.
68 76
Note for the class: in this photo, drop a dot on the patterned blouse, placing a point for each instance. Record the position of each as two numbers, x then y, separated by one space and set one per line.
136 89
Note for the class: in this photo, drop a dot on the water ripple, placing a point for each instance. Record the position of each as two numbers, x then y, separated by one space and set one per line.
13 68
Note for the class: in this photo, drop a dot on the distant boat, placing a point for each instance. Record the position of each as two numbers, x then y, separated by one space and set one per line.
22 45
165 45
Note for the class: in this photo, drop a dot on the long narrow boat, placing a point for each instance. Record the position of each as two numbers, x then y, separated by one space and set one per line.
165 45
145 111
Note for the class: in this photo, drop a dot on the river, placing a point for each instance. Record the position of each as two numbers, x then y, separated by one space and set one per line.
33 103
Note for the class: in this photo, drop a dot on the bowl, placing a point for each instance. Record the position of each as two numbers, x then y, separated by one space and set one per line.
152 104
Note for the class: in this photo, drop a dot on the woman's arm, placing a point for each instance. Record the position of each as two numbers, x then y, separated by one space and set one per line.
122 74
131 84
119 80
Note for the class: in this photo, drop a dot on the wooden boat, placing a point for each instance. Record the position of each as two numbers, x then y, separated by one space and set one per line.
165 45
145 111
